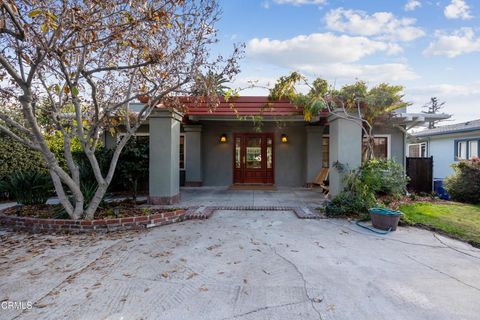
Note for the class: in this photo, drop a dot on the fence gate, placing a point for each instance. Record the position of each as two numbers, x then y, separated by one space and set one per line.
420 172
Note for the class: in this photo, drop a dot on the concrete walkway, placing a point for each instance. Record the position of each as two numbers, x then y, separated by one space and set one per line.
242 265
223 196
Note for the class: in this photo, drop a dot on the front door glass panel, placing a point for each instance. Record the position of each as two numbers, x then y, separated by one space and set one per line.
238 153
254 153
269 153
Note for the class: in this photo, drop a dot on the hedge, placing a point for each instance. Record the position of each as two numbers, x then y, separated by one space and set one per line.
15 157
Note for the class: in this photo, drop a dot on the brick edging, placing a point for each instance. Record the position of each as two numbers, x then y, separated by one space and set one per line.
37 225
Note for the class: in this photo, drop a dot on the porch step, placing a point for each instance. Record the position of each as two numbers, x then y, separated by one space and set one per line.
199 213
308 213
202 212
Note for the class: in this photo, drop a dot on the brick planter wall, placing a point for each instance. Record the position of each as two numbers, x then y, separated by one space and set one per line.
101 225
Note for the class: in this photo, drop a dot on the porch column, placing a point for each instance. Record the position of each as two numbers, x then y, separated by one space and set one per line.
314 152
164 175
345 148
193 155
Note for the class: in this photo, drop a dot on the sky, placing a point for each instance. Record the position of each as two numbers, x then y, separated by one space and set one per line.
432 48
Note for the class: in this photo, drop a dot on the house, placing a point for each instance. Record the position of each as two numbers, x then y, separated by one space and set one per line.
447 144
228 145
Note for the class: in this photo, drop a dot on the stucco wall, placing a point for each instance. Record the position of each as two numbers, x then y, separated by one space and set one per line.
397 142
217 158
292 159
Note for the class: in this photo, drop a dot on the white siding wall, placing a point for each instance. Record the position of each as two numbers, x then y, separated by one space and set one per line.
442 148
442 151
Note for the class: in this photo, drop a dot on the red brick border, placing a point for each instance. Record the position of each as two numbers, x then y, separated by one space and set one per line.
101 225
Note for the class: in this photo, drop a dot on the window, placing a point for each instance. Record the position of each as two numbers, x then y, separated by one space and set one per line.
380 146
417 150
145 137
423 150
182 152
462 150
467 149
269 153
325 152
472 149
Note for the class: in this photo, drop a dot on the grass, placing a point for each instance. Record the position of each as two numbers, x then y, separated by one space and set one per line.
461 221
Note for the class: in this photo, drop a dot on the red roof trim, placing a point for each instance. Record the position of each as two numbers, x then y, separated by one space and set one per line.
241 106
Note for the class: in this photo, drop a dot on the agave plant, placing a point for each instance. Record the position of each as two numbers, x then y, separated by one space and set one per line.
29 187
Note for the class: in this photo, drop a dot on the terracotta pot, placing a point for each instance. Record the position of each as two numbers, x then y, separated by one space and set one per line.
144 99
385 219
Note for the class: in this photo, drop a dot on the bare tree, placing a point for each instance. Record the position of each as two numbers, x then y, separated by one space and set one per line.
88 60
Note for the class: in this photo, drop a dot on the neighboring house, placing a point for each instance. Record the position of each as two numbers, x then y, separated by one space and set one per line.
446 144
224 146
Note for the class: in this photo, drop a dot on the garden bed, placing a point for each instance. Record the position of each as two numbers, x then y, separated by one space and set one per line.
114 216
117 209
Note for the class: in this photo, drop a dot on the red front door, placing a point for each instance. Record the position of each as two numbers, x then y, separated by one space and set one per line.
253 158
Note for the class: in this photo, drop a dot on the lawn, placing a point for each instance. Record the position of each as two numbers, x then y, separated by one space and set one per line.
458 220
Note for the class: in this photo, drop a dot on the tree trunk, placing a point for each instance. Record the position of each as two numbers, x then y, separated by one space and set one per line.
135 189
95 202
59 175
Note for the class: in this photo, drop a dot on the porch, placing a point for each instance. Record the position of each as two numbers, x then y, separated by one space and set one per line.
217 148
224 196
226 147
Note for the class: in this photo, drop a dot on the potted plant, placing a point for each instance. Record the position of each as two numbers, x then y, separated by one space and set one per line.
385 219
144 98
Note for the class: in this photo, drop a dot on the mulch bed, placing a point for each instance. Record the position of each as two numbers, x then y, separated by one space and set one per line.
120 209
395 204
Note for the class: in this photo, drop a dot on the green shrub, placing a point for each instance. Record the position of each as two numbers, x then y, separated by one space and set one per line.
56 144
17 157
132 165
29 187
361 187
384 177
355 199
464 184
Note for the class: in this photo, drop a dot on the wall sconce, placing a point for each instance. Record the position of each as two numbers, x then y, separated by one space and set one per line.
284 138
223 138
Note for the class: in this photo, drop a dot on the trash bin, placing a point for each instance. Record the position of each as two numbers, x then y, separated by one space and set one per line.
440 190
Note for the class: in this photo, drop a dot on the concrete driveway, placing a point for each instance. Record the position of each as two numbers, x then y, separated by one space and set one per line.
242 265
